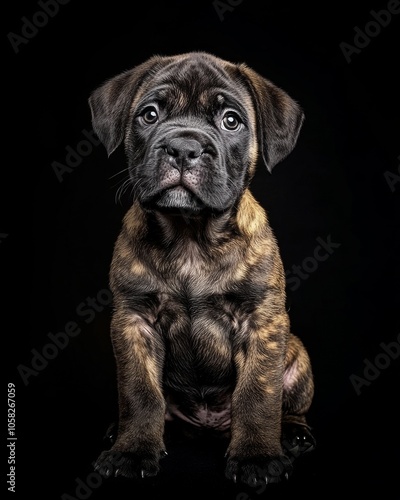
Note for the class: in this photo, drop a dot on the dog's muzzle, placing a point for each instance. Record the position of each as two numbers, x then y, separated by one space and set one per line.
184 167
180 177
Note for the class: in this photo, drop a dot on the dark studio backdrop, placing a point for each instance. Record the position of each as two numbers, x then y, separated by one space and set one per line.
333 204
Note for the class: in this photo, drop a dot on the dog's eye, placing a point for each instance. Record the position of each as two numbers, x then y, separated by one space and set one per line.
231 122
149 115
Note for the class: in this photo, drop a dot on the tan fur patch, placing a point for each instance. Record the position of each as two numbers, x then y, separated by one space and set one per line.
251 217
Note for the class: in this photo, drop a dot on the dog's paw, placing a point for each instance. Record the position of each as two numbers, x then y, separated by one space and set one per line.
259 470
112 463
297 440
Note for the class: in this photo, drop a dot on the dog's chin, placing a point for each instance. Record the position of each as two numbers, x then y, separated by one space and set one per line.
177 201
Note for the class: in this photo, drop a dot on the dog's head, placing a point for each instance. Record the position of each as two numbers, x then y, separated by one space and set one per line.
193 126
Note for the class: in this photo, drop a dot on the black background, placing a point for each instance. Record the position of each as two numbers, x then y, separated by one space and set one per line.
57 237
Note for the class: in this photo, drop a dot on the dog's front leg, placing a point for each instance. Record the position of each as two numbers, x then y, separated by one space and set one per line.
255 452
139 356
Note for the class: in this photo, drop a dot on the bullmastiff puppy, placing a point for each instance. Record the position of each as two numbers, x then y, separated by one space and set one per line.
200 330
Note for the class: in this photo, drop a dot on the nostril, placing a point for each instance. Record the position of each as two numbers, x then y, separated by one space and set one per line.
195 153
171 151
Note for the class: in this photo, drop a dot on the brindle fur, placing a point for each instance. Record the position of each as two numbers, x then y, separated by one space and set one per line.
199 329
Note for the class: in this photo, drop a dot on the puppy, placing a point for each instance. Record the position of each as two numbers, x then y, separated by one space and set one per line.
199 328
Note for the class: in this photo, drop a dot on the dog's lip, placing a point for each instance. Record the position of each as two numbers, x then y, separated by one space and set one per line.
178 188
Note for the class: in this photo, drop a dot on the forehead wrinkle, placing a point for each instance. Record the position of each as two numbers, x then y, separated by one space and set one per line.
185 83
174 94
193 76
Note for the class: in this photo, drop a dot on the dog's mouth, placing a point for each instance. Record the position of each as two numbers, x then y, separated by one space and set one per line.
177 200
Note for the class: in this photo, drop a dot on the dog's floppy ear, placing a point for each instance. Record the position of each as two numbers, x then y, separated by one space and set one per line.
110 103
279 118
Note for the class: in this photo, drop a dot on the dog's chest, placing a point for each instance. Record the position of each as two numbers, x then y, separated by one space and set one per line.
198 332
191 263
199 319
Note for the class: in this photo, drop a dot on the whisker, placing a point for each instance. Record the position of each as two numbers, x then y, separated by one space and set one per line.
121 190
119 173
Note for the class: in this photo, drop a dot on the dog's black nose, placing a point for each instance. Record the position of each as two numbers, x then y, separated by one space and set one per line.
183 149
